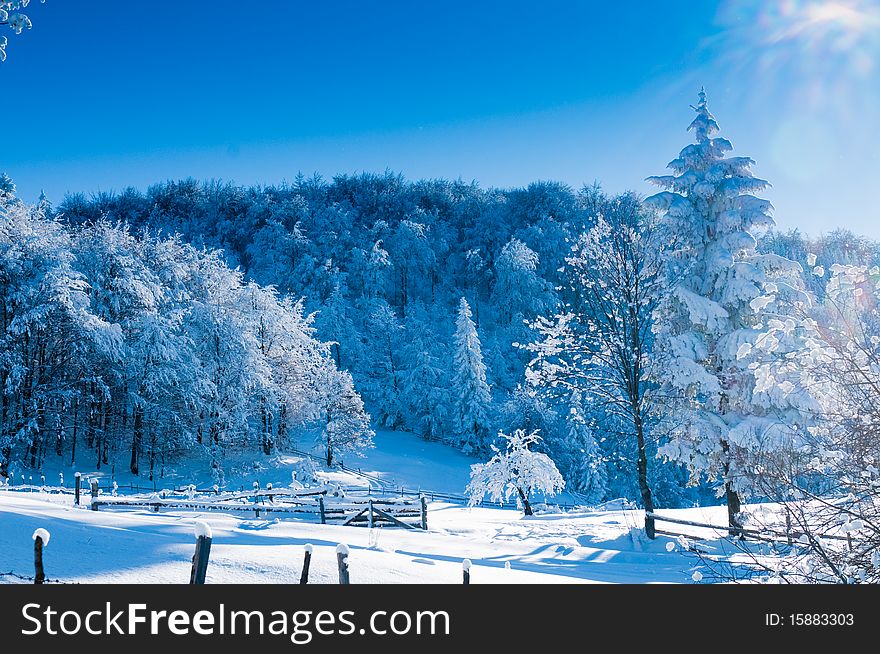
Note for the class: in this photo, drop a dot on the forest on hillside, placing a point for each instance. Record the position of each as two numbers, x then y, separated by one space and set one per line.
666 349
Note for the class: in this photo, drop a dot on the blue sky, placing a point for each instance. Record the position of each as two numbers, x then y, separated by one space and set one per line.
103 94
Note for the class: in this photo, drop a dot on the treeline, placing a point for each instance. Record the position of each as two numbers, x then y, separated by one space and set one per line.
385 263
140 348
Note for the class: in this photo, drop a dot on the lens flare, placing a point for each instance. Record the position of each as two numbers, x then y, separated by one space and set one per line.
825 51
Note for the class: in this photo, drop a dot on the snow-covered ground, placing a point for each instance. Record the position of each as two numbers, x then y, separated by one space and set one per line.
136 545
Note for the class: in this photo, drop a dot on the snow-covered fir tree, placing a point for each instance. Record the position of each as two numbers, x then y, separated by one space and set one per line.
425 378
517 472
470 390
584 462
707 327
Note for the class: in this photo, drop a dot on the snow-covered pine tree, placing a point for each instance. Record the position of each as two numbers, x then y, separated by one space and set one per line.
584 467
424 387
469 386
723 292
517 472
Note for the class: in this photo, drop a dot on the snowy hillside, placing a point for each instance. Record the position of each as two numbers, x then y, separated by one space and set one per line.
137 545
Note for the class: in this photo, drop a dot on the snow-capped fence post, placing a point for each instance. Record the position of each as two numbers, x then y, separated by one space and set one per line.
424 508
41 539
202 553
370 514
466 571
77 478
307 561
321 507
342 562
94 490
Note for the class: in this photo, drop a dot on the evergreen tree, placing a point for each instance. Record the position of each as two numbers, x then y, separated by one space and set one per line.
724 291
584 465
424 381
469 387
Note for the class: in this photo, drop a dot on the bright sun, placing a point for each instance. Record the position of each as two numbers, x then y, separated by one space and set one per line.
838 24
823 40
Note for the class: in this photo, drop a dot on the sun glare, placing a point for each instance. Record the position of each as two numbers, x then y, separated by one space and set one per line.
820 50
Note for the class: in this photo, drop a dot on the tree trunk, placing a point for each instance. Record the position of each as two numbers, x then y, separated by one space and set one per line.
282 427
73 432
152 452
59 437
93 418
733 500
267 430
137 437
527 508
644 488
733 509
329 441
5 455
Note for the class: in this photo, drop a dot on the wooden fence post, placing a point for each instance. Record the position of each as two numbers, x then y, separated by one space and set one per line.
370 514
466 571
77 478
342 562
424 505
94 490
41 539
202 553
321 507
307 561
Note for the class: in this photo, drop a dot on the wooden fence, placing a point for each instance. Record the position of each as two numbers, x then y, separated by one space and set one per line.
397 512
763 535
202 554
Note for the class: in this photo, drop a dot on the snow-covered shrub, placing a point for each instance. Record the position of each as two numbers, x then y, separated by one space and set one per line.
516 472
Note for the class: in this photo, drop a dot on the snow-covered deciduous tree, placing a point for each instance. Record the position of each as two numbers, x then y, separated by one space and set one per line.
346 428
335 325
708 326
44 322
379 377
11 14
469 387
516 472
131 347
519 291
599 343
